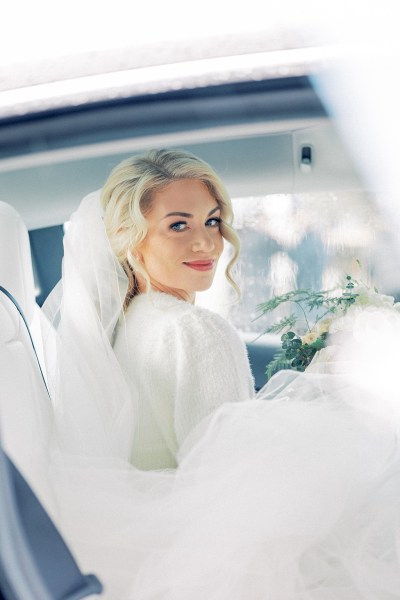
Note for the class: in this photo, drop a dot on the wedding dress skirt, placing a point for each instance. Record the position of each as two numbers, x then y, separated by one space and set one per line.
293 495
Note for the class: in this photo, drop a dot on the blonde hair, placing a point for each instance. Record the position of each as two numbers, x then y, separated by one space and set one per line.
127 197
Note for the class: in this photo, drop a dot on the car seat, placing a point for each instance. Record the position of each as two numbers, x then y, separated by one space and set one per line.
25 406
35 563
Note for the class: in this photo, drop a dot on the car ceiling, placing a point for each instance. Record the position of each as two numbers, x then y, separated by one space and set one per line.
252 133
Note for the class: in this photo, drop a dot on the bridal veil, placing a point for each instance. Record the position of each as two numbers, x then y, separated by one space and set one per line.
92 405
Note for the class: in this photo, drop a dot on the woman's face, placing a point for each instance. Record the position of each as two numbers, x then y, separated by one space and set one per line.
184 242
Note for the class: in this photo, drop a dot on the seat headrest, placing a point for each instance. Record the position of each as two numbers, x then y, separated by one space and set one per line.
16 273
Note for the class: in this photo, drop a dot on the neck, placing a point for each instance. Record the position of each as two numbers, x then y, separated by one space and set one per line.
164 289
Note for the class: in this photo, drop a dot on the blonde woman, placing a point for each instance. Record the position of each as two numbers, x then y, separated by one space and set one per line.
167 216
172 480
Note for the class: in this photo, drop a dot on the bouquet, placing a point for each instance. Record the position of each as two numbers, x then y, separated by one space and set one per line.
322 313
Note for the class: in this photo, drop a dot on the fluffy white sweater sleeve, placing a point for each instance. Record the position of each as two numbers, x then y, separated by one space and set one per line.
207 366
181 362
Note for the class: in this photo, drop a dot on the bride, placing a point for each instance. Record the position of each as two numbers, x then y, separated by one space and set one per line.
172 479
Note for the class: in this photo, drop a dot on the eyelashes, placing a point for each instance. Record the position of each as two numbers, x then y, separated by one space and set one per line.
182 225
179 226
217 221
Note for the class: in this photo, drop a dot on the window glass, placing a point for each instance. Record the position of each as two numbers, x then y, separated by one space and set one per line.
292 241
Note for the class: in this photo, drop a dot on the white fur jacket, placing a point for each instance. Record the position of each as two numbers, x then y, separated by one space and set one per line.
181 362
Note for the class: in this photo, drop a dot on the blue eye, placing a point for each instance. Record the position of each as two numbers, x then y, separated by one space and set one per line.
214 222
179 226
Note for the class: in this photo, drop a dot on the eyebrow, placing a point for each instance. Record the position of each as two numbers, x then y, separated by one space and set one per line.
189 215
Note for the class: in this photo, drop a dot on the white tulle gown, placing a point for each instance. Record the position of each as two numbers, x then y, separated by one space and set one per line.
174 482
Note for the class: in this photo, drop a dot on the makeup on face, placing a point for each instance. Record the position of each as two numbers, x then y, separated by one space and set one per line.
184 242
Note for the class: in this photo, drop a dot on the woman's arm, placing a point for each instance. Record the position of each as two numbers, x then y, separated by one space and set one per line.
211 367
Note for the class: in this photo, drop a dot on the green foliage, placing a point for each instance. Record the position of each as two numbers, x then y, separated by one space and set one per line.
278 363
297 352
285 323
309 300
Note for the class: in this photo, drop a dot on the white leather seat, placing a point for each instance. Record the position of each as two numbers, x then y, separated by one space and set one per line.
25 407
34 560
16 273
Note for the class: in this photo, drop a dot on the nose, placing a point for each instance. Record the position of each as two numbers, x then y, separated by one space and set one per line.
203 241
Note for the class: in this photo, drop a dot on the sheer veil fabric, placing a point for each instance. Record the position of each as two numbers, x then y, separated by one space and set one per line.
293 495
93 408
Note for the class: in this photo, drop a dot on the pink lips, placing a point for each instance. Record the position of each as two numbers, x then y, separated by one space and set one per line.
200 265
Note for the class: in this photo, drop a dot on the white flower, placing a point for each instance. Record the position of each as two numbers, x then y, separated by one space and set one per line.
367 300
323 326
369 297
310 337
345 322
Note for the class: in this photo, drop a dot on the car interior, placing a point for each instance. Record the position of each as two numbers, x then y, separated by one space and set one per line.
278 152
302 211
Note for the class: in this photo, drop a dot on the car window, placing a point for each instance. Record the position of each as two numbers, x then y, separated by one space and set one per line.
308 240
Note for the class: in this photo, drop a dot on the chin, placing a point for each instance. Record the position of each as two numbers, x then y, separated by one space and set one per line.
205 286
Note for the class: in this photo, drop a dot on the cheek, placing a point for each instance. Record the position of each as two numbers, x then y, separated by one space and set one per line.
156 246
173 248
219 243
166 251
